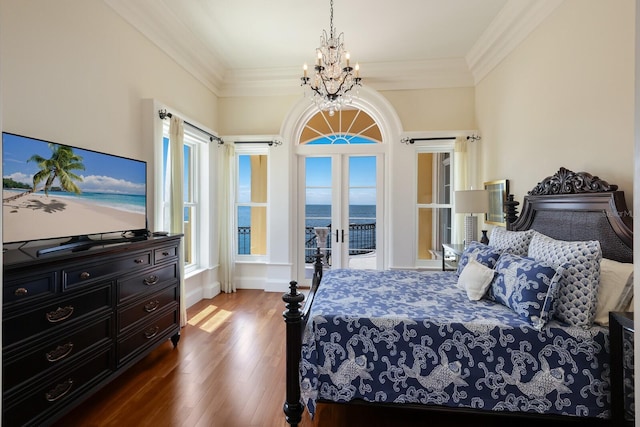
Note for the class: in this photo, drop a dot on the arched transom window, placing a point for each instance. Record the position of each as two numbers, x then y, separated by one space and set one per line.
347 126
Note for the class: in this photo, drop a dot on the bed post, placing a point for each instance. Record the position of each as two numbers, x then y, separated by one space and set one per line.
293 319
317 267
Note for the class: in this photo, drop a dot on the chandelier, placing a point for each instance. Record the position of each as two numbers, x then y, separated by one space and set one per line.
332 83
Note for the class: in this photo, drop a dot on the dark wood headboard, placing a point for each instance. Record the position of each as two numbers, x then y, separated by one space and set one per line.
579 206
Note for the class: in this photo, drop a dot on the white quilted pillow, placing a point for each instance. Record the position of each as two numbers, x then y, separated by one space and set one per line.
513 242
577 297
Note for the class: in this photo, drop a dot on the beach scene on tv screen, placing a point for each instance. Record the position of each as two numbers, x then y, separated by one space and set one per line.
53 190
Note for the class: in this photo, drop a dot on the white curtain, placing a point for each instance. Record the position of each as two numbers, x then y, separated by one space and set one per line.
175 164
226 215
461 182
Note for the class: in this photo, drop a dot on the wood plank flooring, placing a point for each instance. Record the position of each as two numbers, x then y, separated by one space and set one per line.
228 370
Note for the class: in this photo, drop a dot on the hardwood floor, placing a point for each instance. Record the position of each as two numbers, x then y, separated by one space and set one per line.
228 370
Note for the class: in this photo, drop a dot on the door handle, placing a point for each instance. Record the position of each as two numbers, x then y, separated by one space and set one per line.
337 236
343 235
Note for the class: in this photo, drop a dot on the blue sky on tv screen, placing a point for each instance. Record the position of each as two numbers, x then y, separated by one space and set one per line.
103 173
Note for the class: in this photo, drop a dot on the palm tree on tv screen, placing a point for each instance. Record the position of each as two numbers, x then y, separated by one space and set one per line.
61 164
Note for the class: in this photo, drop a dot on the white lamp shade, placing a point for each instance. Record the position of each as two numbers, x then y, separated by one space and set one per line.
471 201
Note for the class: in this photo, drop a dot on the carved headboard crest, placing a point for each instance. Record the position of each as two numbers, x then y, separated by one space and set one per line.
568 182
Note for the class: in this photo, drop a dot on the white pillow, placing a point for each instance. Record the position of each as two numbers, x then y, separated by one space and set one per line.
475 279
616 289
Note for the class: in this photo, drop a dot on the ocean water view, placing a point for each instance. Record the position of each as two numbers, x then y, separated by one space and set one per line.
125 202
362 226
320 215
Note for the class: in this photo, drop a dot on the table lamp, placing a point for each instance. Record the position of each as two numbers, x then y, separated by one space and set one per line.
470 202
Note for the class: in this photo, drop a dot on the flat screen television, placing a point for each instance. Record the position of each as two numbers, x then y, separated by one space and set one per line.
56 191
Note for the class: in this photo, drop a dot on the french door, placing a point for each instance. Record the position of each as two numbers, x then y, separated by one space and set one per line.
340 211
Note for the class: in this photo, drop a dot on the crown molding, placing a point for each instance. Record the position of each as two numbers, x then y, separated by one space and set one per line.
158 24
405 76
512 25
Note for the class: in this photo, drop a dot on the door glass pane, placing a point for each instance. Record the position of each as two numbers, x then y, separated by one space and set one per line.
434 228
258 230
189 225
187 169
362 212
252 227
252 199
244 179
318 196
425 178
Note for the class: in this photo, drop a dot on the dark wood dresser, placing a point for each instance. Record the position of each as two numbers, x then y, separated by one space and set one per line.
73 321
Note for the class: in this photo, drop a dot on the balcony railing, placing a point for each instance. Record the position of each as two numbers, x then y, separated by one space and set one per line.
362 240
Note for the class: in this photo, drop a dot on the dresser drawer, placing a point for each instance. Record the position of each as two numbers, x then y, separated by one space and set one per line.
165 253
49 395
148 282
28 288
148 334
21 365
87 273
146 307
64 312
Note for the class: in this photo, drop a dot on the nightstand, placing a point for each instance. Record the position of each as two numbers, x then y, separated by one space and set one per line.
621 333
451 253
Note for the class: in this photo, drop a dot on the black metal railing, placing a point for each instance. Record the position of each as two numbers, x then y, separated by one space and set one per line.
362 240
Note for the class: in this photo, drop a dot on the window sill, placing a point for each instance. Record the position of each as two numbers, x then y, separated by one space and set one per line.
194 272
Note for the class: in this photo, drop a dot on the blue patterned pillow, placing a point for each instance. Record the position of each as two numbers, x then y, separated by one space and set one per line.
577 298
514 242
485 255
526 286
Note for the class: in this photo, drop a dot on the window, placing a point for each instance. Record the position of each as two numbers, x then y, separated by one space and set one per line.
347 126
251 202
434 202
194 148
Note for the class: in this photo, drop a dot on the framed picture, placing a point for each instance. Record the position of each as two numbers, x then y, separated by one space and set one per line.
498 191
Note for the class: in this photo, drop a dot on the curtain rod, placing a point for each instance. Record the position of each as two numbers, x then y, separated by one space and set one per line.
408 141
440 138
163 114
270 143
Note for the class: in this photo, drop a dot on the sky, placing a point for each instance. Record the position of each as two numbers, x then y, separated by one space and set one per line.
362 173
362 180
103 173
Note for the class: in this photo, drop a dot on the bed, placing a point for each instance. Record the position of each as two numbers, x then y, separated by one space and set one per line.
445 341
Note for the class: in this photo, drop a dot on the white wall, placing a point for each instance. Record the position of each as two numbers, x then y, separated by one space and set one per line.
564 97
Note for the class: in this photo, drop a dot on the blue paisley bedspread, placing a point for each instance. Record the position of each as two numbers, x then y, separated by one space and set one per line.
413 337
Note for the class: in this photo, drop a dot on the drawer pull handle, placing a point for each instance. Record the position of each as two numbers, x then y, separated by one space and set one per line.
20 292
165 253
151 332
59 314
59 352
59 391
151 280
138 261
85 275
151 306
